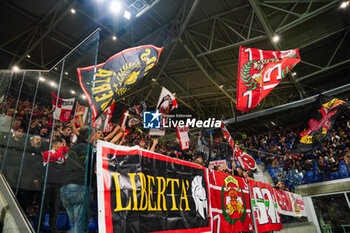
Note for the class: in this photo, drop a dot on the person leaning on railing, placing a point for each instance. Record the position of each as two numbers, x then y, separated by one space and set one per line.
72 191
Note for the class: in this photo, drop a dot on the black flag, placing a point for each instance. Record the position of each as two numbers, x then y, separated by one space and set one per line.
117 75
320 121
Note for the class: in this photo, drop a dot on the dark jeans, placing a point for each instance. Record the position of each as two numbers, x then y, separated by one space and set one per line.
52 203
72 196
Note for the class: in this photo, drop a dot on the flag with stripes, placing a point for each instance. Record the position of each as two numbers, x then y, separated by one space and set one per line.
63 107
259 72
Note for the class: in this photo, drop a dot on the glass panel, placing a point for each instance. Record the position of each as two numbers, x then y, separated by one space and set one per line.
332 212
34 134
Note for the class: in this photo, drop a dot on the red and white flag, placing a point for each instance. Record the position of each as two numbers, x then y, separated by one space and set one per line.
63 109
167 102
246 161
184 139
259 72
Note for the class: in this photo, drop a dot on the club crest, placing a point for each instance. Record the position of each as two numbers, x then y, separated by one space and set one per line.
233 201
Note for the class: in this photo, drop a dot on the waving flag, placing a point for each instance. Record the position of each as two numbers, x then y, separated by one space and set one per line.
321 119
117 75
184 139
246 161
259 72
63 109
167 101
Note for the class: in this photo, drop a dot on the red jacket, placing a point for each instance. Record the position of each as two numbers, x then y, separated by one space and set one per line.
56 155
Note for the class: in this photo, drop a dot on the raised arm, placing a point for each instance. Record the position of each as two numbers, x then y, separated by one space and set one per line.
118 136
74 128
155 142
111 134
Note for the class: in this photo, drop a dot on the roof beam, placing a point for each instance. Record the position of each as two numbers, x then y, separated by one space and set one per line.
325 69
204 71
262 19
182 29
51 27
305 17
234 45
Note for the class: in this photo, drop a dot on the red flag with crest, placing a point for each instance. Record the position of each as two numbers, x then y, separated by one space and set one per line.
259 72
230 205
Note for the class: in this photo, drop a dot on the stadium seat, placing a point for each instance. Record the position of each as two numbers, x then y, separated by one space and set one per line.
93 223
334 175
309 177
258 161
269 168
46 223
62 222
317 176
343 171
300 178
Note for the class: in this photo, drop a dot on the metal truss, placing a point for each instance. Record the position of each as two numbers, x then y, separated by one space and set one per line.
224 33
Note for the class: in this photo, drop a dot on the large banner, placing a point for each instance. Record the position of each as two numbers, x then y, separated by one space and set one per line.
290 204
259 72
320 120
117 75
142 191
265 207
230 203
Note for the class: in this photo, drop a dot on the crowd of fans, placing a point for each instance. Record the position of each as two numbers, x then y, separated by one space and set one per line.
274 149
63 151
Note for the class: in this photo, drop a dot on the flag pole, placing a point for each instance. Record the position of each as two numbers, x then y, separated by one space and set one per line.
235 132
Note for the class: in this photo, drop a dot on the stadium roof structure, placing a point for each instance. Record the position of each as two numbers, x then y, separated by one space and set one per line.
201 40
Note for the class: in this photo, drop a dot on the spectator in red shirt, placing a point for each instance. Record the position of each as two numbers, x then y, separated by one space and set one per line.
54 164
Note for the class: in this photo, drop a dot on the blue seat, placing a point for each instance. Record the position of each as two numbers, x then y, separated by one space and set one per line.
93 223
309 177
258 161
269 168
343 171
46 223
317 176
62 222
275 180
287 183
334 175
